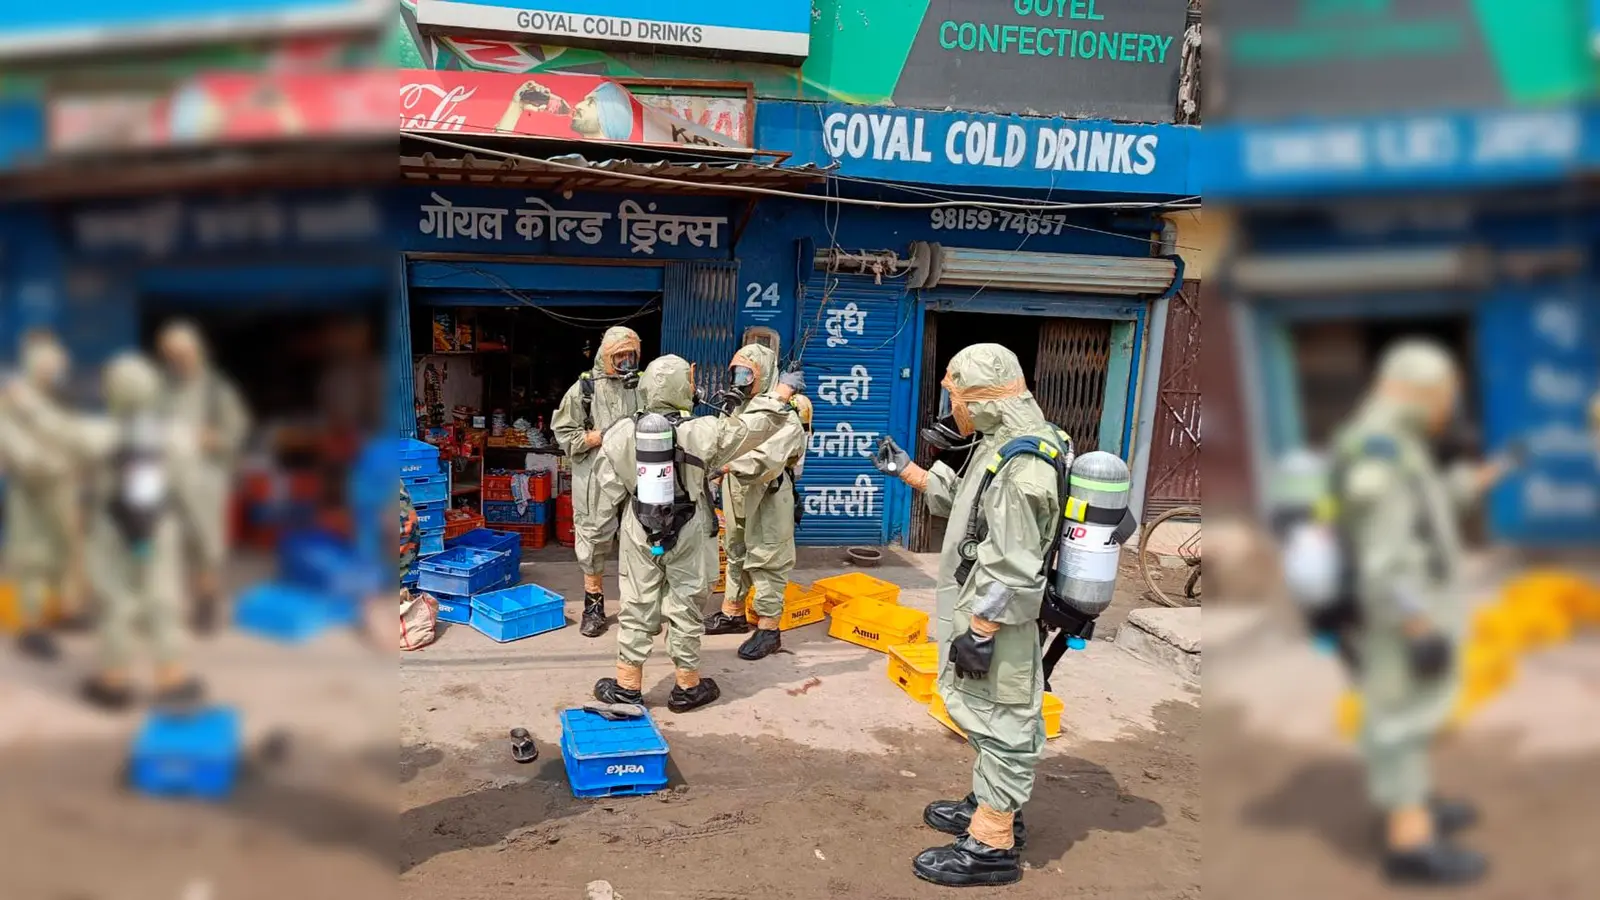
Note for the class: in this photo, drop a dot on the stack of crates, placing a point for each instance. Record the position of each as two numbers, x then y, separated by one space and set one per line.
424 475
476 562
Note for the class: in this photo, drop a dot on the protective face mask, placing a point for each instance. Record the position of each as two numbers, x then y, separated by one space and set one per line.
626 363
945 435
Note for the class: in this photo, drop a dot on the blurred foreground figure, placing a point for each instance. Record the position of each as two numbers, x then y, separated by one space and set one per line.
991 669
1400 518
41 534
202 400
601 396
134 543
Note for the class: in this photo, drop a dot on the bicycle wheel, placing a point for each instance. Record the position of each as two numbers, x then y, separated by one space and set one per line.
1169 554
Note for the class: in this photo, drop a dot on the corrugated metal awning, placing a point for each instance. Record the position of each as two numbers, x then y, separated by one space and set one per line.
575 172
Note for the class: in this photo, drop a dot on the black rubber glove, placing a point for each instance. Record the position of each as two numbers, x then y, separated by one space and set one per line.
1430 655
972 655
890 459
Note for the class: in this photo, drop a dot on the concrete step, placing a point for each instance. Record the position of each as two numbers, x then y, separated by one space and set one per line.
1166 638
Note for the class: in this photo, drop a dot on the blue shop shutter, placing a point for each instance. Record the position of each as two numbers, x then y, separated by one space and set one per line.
402 410
699 315
850 331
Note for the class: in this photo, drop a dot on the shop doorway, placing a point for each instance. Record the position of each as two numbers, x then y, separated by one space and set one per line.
487 381
1334 362
1064 361
314 385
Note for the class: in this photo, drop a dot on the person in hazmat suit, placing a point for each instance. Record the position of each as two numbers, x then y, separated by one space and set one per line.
134 541
601 396
42 532
1399 517
200 398
661 462
991 670
758 505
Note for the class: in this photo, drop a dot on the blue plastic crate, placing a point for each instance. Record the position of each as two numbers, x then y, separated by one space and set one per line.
462 571
518 612
323 562
505 542
454 609
427 488
410 578
186 754
286 613
431 543
418 458
504 512
430 516
611 759
539 513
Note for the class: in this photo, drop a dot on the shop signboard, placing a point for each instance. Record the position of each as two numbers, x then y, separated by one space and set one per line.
164 229
1116 59
1384 153
774 28
226 107
643 226
976 149
1540 350
1286 58
77 26
560 107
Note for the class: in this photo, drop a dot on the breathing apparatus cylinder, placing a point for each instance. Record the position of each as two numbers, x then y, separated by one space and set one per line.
658 485
1091 542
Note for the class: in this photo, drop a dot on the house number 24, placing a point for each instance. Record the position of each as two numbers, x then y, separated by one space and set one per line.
758 297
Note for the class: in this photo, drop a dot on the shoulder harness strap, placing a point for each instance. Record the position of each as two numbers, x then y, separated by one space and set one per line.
1055 452
586 384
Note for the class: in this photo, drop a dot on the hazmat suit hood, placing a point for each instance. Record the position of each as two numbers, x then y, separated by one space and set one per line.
615 341
1406 372
132 385
987 380
44 363
667 385
765 363
187 336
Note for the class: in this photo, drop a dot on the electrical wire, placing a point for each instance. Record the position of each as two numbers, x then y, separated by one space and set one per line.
1183 203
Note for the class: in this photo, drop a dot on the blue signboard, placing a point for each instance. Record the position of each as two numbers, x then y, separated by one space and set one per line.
1540 353
775 28
641 227
21 129
28 27
1436 150
972 149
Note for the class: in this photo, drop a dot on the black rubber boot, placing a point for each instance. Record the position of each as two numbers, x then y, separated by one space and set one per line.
694 698
1437 863
593 623
954 817
203 616
105 696
38 644
606 690
764 643
1452 816
185 693
720 622
968 863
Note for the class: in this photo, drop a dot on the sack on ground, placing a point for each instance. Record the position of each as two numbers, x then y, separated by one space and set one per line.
419 619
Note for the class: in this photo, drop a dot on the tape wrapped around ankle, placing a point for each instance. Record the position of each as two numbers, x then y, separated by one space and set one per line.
915 476
688 679
731 606
593 584
992 829
630 678
767 623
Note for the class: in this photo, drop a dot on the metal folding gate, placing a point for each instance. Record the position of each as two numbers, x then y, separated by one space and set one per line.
1174 476
1069 376
699 317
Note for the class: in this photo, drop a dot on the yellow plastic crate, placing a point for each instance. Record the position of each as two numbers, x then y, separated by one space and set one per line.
877 625
1053 708
856 586
915 667
801 606
11 609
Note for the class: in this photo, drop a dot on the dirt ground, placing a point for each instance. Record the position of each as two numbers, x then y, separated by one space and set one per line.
767 800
